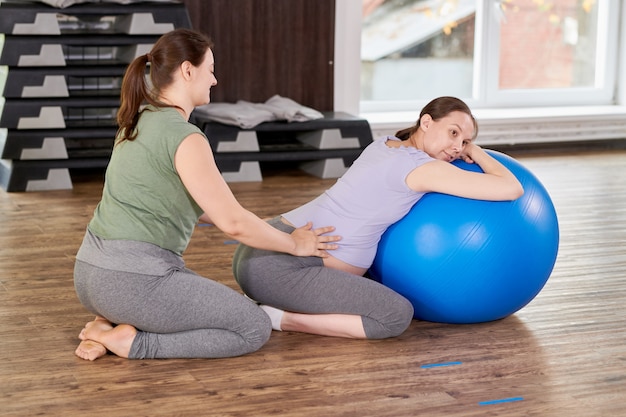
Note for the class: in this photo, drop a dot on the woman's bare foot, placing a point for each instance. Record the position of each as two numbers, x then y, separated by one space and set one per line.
90 350
117 339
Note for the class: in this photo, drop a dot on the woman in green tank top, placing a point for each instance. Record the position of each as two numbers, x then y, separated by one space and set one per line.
161 180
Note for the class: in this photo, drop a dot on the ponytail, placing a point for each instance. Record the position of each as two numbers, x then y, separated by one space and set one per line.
406 133
134 93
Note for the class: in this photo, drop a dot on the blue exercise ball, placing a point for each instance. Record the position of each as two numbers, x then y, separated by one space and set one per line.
460 260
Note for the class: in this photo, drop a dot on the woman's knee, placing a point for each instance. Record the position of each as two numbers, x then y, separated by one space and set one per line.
393 322
258 333
252 324
262 336
404 316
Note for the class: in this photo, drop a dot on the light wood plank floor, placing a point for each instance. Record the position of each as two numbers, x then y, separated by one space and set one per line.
562 355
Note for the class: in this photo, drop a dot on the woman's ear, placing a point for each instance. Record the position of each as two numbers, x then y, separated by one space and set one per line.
425 121
186 70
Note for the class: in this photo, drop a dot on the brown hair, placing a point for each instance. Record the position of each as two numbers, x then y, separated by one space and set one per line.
438 108
167 54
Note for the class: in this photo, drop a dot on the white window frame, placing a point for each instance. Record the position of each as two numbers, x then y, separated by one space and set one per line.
347 62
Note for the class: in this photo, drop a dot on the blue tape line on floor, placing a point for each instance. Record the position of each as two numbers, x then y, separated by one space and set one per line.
503 400
231 242
439 365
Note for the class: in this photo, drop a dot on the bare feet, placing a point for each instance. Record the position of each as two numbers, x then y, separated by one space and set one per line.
101 332
90 350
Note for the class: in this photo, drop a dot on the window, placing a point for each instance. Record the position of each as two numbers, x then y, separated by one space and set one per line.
417 49
507 53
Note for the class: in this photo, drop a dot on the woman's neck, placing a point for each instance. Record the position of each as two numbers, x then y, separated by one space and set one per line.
184 112
416 141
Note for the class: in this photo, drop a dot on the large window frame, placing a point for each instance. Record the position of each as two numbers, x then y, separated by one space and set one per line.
607 91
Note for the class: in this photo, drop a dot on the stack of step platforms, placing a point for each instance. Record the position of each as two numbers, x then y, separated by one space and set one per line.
324 147
60 77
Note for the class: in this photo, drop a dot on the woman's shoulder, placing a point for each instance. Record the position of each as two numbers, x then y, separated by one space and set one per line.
395 146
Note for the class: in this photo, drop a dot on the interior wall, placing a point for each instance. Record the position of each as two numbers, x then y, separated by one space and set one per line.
267 47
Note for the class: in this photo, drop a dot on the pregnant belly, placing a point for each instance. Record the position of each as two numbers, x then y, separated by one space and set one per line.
332 262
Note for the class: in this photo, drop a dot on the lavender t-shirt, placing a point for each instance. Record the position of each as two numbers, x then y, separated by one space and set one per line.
368 198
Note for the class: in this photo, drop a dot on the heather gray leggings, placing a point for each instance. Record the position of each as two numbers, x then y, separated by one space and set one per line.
177 315
303 284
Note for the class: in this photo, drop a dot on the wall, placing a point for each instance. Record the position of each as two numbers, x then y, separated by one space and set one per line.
267 47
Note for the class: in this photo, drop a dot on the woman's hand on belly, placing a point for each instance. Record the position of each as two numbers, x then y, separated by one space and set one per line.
332 262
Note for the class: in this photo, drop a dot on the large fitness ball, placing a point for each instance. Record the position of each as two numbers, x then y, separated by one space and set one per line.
469 261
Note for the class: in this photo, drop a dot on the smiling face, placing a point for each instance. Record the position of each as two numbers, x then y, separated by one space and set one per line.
446 138
205 79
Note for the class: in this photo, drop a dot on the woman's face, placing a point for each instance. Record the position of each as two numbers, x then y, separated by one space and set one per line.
446 138
205 79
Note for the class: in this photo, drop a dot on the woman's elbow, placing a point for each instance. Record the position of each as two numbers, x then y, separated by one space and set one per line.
517 191
234 222
232 229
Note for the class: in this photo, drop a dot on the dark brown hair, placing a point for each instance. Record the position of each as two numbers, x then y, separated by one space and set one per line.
167 54
437 109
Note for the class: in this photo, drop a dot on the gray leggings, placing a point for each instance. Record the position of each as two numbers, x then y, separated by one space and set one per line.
178 315
305 285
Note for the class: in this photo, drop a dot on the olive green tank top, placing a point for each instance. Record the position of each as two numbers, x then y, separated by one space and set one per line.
143 197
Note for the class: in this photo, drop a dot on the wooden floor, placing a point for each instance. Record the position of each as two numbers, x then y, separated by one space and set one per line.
562 355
